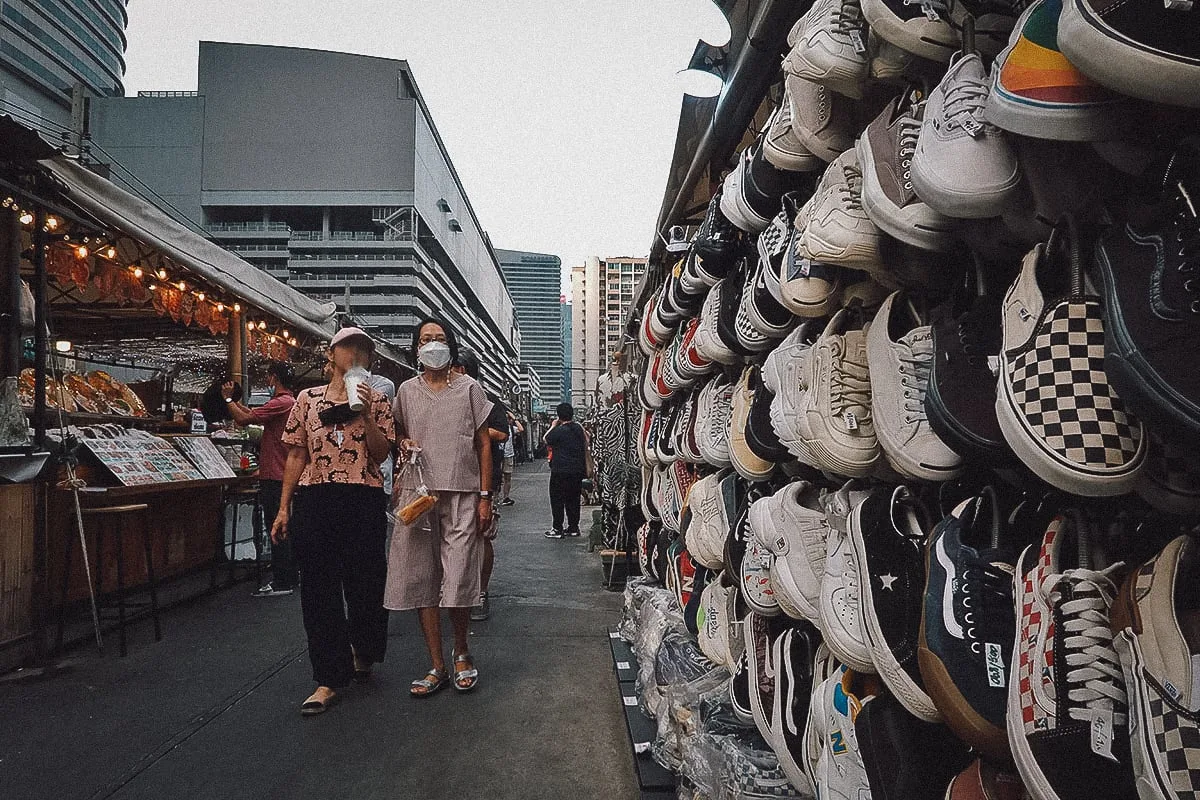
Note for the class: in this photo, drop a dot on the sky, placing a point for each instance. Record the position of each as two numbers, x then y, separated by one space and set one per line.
559 115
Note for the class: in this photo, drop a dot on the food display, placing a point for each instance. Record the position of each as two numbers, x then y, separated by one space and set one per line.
94 393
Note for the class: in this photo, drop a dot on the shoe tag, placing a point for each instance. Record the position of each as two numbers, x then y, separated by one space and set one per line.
1102 734
860 47
994 365
994 657
1177 5
971 125
851 420
930 12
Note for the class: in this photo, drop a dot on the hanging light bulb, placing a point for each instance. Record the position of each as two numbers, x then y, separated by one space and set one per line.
153 287
220 306
285 334
137 272
110 252
237 307
52 223
262 324
26 218
199 295
293 341
250 326
81 251
162 274
182 286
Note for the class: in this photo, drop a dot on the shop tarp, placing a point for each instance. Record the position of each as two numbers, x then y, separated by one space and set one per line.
134 217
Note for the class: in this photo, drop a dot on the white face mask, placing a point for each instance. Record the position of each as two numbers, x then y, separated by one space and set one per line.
434 355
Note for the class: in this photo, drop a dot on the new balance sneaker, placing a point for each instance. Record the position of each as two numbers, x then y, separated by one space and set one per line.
748 464
906 758
982 780
922 28
834 418
1037 91
968 623
733 197
795 656
840 773
829 47
783 148
887 538
716 244
900 355
1156 619
840 606
1148 48
822 120
793 525
1150 272
760 435
824 667
963 166
1067 703
835 228
1054 403
885 151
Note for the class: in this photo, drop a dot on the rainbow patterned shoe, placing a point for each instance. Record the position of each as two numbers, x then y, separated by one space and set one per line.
1037 92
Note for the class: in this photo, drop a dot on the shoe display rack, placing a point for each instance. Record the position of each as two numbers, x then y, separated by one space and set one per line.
920 442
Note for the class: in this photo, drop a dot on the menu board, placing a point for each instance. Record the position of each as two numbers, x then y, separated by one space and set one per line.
204 455
139 460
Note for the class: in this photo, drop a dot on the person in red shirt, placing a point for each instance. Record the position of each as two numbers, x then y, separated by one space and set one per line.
272 415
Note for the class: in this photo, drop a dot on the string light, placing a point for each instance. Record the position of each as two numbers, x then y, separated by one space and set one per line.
199 295
285 334
220 306
137 272
153 287
182 286
262 324
26 218
162 274
81 251
52 223
110 252
250 326
237 308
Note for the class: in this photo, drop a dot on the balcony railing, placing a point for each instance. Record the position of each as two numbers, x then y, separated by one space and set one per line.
337 236
249 227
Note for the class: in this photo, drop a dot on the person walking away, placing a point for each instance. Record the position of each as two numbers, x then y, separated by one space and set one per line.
272 455
467 363
515 429
436 562
333 509
568 443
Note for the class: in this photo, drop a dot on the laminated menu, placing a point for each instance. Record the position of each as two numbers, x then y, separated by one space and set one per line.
140 460
205 455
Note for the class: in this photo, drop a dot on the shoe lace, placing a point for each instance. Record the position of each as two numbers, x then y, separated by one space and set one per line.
914 377
987 598
965 101
1186 221
1095 684
846 20
910 129
851 190
850 389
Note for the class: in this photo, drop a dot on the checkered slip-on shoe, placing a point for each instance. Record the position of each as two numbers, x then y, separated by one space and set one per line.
1054 402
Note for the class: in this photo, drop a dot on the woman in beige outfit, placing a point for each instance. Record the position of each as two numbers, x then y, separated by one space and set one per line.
435 562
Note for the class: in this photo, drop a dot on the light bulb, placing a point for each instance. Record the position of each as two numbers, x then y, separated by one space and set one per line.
26 218
137 272
182 286
52 223
220 306
199 295
62 346
162 274
285 334
250 326
237 307
110 252
262 324
81 251
153 287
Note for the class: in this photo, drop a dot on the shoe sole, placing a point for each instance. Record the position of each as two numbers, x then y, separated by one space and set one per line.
1124 65
899 223
827 459
911 696
890 27
1046 465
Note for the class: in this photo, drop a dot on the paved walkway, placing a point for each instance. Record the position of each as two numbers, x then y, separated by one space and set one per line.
211 711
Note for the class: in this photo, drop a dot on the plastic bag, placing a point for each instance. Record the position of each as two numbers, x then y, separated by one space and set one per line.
751 772
412 499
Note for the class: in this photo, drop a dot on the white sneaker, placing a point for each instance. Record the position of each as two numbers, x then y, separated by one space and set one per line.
792 524
840 605
825 666
921 27
823 120
839 769
783 148
831 48
835 420
900 355
756 586
807 288
707 341
783 371
713 435
710 509
836 228
963 165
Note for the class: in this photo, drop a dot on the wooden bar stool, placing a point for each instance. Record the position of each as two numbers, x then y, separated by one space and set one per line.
111 519
236 499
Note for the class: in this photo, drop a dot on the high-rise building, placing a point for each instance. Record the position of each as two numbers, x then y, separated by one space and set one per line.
565 336
602 293
54 50
534 281
326 171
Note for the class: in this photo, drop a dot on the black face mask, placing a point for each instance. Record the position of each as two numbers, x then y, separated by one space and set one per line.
336 415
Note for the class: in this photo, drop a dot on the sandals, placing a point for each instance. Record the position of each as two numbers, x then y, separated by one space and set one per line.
426 687
465 679
315 705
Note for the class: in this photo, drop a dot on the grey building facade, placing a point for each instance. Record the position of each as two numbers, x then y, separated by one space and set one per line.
48 48
565 336
534 282
326 171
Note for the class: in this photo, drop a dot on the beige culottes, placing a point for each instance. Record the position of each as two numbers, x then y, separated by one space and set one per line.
436 562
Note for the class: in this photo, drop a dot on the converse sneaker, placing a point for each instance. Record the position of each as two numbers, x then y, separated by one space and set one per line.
1067 703
830 47
822 120
887 538
1154 619
793 525
1054 402
783 148
900 355
921 28
1150 271
963 166
968 623
840 606
1037 92
885 151
1148 49
836 229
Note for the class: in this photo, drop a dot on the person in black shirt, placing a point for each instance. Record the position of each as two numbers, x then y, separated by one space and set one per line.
568 443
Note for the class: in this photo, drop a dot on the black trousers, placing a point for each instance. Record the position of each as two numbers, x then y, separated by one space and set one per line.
283 562
564 499
339 532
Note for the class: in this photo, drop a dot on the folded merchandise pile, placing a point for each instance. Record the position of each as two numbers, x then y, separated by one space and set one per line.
921 425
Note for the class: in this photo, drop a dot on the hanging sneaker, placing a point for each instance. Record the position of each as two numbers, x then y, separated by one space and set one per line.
840 772
807 288
840 605
900 355
1067 703
714 438
921 28
767 314
984 781
830 47
994 21
716 244
733 204
760 435
822 120
1155 620
783 148
963 165
712 503
887 539
906 758
793 525
968 623
748 464
795 657
1171 480
836 229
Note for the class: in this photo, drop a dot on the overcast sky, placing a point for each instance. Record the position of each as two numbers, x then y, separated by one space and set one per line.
559 115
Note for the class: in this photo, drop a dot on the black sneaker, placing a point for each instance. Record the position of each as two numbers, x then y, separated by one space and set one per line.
760 435
731 300
887 536
906 758
1150 270
968 623
572 533
739 692
270 590
1142 48
553 534
795 656
508 501
716 244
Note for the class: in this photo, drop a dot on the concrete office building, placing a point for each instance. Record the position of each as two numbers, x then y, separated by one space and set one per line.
534 280
565 335
52 50
601 294
326 171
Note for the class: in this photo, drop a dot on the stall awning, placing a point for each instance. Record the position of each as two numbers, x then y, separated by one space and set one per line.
130 215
